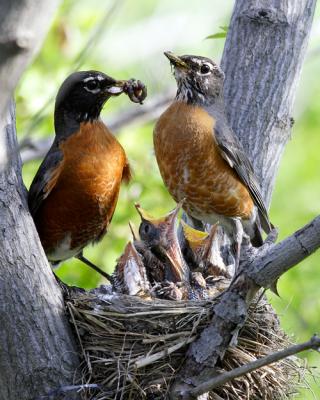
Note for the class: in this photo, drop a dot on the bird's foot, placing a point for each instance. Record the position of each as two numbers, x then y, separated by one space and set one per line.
168 290
81 257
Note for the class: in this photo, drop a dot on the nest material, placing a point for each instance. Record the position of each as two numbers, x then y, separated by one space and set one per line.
133 348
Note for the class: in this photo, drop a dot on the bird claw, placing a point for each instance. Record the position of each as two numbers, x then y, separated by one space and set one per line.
168 290
136 90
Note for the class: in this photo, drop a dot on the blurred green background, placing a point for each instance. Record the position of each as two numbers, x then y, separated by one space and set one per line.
126 39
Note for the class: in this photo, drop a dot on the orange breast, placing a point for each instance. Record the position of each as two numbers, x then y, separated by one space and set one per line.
192 167
85 188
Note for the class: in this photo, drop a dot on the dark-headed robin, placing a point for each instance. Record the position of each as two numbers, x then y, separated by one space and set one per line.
75 191
200 158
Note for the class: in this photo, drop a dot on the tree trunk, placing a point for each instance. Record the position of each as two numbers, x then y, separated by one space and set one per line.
37 349
262 61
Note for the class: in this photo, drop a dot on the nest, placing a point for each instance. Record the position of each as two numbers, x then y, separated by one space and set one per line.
134 335
132 348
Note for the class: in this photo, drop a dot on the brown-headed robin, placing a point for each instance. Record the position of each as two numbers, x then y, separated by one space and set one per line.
130 275
75 191
200 158
160 236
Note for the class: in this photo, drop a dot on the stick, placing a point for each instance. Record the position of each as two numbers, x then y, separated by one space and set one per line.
313 343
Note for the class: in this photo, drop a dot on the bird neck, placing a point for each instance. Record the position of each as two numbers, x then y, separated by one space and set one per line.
199 99
67 121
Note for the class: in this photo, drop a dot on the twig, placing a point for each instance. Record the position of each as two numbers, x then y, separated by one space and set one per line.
78 61
67 389
164 353
35 149
313 343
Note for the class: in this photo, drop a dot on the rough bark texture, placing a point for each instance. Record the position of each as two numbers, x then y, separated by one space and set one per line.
37 350
262 61
24 23
268 266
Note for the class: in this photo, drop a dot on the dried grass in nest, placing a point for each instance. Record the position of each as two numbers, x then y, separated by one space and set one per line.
132 348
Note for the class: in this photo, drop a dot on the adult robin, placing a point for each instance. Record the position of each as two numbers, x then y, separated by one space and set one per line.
75 191
200 158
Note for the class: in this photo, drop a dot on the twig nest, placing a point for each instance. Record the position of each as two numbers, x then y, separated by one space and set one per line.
133 347
135 333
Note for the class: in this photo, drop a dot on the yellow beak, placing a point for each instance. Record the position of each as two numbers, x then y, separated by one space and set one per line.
176 61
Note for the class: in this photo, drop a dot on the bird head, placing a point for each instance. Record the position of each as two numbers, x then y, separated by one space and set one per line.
84 93
195 238
161 236
158 231
130 274
199 79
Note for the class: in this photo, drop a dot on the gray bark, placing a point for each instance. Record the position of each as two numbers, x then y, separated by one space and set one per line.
24 23
262 61
37 349
267 266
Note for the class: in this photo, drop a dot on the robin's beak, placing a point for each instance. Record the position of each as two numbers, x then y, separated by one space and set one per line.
145 216
179 270
167 240
195 238
135 89
176 61
130 273
116 88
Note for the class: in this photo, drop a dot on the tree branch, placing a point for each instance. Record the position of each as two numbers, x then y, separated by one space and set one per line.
20 39
229 314
269 265
31 149
313 343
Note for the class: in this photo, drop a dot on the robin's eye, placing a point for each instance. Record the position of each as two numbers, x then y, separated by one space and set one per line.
146 228
92 86
205 69
147 231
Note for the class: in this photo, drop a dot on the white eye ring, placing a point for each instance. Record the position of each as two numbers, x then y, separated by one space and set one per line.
92 86
205 69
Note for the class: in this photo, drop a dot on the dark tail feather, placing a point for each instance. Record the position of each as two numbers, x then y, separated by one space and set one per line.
256 239
264 222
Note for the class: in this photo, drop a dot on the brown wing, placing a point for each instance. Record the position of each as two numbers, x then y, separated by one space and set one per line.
45 179
233 152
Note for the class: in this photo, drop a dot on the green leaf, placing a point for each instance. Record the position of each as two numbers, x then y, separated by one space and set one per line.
219 35
224 28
